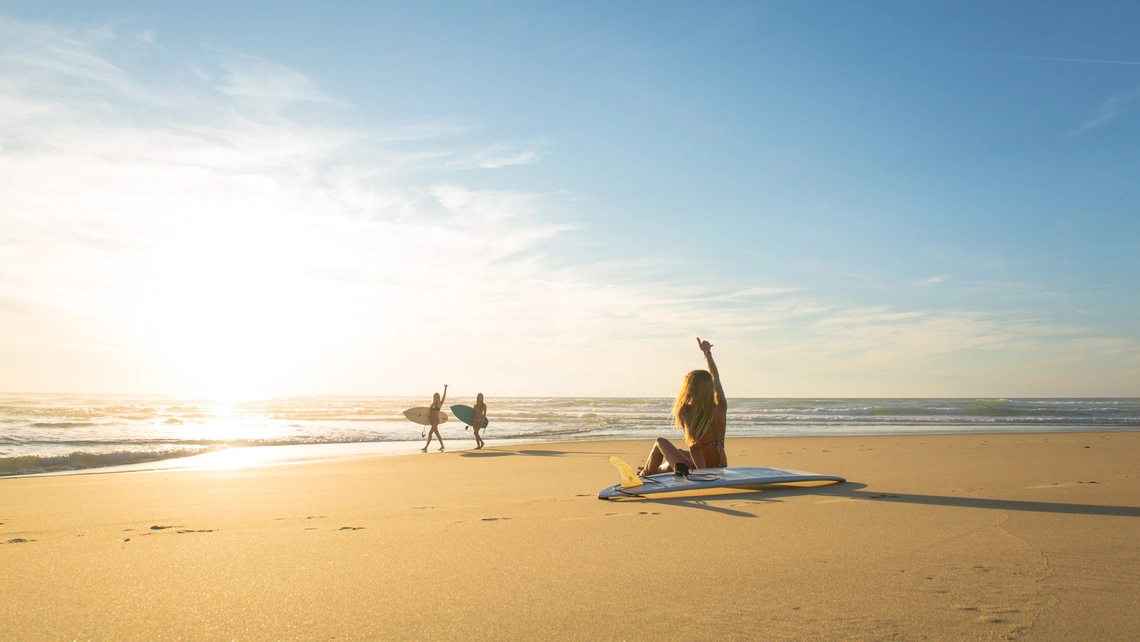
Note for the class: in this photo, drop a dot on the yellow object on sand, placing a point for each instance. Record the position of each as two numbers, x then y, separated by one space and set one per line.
628 477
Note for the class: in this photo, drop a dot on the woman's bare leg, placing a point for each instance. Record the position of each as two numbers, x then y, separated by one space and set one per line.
653 462
663 457
424 449
438 436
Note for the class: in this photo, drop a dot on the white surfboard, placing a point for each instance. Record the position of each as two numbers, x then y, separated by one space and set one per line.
704 478
422 415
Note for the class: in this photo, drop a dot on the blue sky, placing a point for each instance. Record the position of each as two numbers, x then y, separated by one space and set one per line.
850 199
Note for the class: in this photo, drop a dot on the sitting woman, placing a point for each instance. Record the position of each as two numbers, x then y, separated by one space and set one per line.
701 412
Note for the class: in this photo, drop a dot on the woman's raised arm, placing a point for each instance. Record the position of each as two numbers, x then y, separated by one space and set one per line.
706 348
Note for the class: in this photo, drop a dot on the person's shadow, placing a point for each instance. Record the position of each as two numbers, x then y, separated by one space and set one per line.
853 490
523 453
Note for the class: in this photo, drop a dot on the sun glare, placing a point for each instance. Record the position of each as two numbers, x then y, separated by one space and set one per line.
226 297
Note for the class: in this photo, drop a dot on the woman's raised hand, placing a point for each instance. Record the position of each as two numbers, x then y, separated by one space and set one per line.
705 346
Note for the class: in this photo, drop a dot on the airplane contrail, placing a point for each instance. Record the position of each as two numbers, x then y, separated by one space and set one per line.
1015 57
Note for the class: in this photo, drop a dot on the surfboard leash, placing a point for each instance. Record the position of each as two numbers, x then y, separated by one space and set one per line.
702 477
644 480
617 488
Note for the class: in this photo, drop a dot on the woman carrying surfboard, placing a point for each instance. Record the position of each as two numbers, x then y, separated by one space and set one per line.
701 412
433 417
478 419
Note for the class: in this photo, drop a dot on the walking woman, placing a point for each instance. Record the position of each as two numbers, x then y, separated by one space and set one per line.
479 420
433 417
701 412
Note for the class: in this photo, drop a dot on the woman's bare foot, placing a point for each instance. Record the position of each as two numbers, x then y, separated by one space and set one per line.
441 449
424 449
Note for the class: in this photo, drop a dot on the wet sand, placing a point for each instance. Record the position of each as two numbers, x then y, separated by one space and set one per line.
945 537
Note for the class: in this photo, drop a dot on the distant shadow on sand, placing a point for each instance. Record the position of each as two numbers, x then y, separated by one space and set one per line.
756 495
693 502
992 504
851 490
524 453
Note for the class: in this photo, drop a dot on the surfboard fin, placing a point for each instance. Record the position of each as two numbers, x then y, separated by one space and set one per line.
629 478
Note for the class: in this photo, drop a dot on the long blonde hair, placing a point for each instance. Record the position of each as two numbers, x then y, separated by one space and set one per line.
695 407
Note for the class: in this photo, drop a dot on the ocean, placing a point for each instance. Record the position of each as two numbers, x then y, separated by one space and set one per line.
51 433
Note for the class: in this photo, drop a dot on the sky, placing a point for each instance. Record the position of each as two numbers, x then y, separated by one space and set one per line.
890 199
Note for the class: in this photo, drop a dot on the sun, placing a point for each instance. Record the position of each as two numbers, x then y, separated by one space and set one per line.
226 303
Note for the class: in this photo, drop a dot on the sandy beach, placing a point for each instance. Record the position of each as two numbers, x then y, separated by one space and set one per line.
945 537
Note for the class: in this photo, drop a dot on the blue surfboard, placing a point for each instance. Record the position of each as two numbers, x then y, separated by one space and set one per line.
466 414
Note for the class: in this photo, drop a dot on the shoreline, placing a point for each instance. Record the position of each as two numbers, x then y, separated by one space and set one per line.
58 433
246 456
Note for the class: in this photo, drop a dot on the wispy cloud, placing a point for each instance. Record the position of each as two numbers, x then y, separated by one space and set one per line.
500 154
43 61
427 130
571 195
1110 109
259 79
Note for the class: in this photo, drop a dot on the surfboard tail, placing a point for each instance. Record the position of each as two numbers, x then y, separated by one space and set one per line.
629 478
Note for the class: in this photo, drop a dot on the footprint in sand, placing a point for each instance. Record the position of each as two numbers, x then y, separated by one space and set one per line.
199 530
160 528
493 519
351 528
